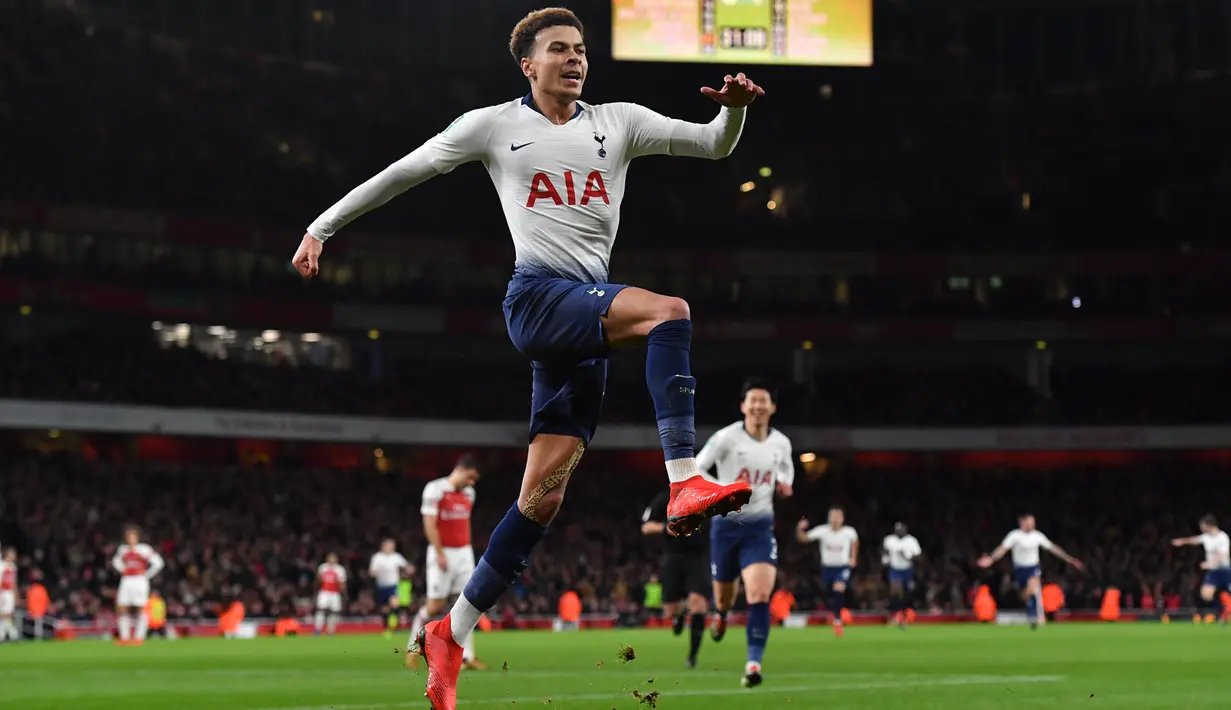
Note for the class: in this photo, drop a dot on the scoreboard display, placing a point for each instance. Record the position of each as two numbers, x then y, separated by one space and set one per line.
800 32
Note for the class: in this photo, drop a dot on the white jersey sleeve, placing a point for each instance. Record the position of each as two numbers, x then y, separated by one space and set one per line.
432 493
154 559
463 141
715 450
786 466
651 133
1010 540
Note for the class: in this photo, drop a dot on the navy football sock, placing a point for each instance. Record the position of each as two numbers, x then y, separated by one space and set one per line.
758 630
506 557
668 376
838 602
1032 607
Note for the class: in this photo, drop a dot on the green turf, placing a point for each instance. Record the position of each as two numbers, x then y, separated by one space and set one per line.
950 667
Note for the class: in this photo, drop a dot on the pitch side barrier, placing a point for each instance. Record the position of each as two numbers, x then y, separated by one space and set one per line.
19 414
261 627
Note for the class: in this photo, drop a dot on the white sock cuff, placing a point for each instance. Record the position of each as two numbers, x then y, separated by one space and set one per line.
681 469
463 618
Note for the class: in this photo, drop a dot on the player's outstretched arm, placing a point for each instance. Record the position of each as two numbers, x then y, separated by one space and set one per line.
651 133
462 141
1182 541
997 554
652 527
1059 552
713 453
785 475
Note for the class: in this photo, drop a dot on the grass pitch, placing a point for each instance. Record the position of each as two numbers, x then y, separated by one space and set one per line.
1123 667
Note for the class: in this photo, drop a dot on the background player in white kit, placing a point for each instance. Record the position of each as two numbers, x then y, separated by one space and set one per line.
8 596
1217 564
331 583
387 567
839 554
446 508
137 564
901 548
742 544
1025 543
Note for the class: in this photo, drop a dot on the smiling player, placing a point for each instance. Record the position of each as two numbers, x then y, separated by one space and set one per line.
742 545
559 167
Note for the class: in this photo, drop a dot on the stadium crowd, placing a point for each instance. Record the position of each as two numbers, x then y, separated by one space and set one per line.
257 534
903 155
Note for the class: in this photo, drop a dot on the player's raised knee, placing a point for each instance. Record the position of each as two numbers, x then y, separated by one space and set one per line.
542 508
672 308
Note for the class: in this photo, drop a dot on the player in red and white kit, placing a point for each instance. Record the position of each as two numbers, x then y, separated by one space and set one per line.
331 579
446 508
137 564
8 596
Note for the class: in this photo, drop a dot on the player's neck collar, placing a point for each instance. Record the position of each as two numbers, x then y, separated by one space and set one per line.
528 100
768 430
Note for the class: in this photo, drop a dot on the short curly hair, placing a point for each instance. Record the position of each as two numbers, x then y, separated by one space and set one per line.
521 42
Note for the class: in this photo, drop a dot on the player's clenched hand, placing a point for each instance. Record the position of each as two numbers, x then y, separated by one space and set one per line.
803 525
985 561
785 490
307 256
442 562
736 91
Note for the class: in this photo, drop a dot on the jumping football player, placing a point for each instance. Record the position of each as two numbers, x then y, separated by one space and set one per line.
559 168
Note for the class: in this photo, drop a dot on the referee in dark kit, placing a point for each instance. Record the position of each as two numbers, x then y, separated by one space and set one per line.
685 574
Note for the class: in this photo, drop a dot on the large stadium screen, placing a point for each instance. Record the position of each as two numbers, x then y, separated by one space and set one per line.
801 32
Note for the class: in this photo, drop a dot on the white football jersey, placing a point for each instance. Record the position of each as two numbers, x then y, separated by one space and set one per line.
835 544
1025 546
1217 549
902 551
560 185
740 457
386 568
137 560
